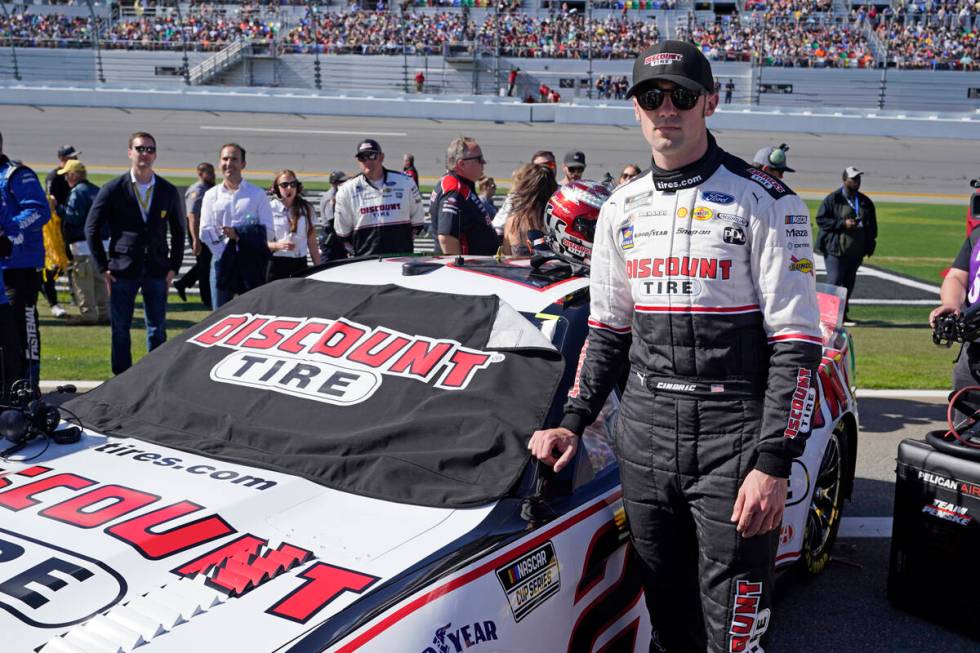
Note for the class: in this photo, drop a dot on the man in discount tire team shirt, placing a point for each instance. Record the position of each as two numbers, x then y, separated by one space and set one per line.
378 211
702 282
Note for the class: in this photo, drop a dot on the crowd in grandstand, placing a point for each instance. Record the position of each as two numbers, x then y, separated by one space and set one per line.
937 34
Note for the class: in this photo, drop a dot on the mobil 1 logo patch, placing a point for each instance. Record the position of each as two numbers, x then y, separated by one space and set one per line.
530 580
733 236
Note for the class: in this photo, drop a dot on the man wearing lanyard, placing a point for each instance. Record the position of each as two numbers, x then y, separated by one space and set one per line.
140 208
848 232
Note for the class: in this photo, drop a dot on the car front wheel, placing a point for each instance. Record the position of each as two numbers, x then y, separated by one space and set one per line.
823 518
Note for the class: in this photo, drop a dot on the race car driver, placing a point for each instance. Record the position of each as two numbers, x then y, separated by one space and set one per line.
702 281
378 211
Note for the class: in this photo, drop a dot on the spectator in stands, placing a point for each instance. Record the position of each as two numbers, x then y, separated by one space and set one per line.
22 200
139 207
630 171
729 90
419 81
533 187
200 272
512 81
88 286
408 167
331 245
459 219
380 210
573 167
294 238
236 224
486 187
772 160
545 158
848 231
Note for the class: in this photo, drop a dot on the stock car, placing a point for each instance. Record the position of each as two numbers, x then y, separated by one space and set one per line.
338 462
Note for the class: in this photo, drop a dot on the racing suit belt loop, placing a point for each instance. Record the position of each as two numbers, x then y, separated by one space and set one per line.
726 389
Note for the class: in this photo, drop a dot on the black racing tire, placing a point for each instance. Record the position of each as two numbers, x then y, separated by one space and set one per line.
824 515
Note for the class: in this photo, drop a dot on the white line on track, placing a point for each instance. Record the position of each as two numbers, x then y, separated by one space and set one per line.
896 302
279 130
865 527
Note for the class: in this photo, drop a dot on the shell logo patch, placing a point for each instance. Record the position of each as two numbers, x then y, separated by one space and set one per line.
682 212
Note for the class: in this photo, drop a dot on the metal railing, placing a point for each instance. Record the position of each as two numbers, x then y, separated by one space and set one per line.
219 62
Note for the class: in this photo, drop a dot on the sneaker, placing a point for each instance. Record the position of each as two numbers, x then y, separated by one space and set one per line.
58 311
850 323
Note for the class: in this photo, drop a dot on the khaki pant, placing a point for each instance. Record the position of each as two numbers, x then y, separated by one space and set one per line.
90 291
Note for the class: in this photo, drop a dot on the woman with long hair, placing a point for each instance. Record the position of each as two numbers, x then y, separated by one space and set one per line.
533 187
294 238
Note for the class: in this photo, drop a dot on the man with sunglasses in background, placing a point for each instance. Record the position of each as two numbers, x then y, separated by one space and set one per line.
378 211
544 158
140 208
459 218
700 288
573 167
772 161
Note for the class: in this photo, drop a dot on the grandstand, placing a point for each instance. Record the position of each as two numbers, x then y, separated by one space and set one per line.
581 49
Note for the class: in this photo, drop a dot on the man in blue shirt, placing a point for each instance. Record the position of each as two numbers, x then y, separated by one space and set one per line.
23 204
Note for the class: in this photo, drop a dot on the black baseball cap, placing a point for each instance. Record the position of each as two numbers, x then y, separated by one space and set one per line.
674 61
575 159
68 152
367 145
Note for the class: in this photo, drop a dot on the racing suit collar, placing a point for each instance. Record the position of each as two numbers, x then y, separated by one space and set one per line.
465 181
693 174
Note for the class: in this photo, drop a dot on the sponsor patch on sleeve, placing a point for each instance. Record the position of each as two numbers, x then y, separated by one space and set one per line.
801 405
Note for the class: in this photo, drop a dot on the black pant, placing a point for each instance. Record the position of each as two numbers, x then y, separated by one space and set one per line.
47 287
283 267
10 353
23 287
200 273
682 461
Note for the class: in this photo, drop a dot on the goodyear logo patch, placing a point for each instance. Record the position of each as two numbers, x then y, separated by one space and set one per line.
803 265
627 237
530 580
703 213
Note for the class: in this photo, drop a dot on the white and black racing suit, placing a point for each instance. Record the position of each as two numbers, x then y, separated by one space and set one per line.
702 281
379 219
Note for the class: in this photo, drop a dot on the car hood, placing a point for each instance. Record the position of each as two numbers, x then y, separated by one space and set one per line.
114 541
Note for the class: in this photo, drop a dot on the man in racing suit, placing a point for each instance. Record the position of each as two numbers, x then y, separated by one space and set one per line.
702 281
22 200
379 210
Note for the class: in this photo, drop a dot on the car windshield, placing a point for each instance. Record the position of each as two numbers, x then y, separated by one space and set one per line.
404 395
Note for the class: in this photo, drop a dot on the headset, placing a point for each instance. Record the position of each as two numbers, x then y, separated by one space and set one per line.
29 417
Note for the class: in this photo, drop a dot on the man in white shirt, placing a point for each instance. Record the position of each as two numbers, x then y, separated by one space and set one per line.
379 210
231 214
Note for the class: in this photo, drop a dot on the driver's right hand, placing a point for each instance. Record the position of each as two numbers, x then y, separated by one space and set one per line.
554 447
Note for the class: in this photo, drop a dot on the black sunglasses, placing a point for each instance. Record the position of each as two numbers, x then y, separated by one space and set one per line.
478 157
682 98
289 184
367 156
145 149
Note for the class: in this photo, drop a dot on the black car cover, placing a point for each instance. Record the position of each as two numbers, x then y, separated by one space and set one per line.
402 395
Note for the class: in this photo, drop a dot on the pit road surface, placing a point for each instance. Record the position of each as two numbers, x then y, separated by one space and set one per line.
896 169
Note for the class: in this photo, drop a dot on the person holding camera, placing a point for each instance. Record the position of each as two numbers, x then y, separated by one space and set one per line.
848 232
961 289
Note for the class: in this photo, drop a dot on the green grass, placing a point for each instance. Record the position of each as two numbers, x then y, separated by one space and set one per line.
893 349
73 351
919 240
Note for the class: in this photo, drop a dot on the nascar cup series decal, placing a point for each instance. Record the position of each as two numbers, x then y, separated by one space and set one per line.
530 580
337 362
